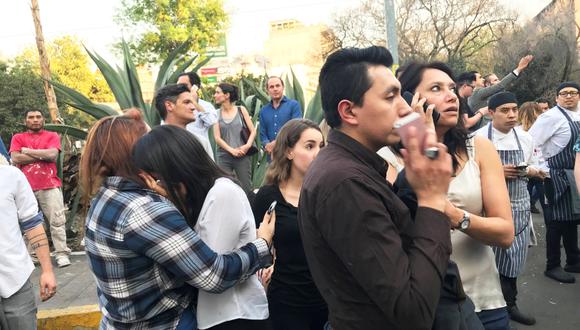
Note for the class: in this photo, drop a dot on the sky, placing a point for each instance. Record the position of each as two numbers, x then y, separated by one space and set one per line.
92 21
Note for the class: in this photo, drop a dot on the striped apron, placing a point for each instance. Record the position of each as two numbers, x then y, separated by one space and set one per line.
562 203
510 262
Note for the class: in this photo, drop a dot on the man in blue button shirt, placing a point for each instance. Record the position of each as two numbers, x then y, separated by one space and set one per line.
276 113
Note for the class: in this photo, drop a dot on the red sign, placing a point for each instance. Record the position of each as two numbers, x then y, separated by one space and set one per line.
208 71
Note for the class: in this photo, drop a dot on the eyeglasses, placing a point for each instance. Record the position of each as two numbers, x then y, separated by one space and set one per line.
570 93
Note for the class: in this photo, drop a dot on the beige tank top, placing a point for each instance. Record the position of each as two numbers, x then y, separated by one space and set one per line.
475 260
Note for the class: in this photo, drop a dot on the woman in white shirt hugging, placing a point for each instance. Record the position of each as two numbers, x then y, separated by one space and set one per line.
220 214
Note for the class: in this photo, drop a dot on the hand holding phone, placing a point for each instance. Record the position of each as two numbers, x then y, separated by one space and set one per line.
409 98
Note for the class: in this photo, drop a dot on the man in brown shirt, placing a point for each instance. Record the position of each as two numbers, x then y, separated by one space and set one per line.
375 266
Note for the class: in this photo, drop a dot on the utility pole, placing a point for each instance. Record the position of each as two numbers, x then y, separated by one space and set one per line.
44 64
391 24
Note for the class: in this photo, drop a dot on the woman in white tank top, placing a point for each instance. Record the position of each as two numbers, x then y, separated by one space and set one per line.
479 206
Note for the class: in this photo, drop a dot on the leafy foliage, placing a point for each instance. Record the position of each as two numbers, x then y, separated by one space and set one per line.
169 23
125 86
70 66
454 31
551 39
20 89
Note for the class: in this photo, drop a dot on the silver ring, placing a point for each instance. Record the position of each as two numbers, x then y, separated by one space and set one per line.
431 153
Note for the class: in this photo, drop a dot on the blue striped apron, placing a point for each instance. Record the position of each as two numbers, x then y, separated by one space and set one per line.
510 262
562 203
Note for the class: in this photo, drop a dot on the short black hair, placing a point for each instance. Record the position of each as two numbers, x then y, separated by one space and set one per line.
168 93
27 111
230 89
344 76
542 100
465 78
193 77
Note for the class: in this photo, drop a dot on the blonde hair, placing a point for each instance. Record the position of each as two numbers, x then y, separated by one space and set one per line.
528 113
279 169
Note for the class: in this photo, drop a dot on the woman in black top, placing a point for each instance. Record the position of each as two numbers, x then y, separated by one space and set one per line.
294 300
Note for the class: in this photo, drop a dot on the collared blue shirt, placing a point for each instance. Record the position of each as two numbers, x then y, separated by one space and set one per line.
272 120
147 261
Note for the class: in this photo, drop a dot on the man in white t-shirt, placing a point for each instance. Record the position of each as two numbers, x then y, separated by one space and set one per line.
555 132
19 213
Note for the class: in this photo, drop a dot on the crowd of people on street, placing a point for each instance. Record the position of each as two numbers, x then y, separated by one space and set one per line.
394 214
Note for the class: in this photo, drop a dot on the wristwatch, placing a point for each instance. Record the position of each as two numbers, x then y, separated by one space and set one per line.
464 222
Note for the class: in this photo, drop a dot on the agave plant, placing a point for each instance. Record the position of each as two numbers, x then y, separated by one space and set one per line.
126 88
125 85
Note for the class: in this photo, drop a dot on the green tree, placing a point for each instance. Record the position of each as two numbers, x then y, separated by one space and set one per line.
454 31
20 89
169 23
70 65
552 39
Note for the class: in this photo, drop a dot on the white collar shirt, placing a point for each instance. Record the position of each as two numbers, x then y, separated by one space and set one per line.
551 131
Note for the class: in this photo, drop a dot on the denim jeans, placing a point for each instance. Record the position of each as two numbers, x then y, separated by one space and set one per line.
495 319
18 312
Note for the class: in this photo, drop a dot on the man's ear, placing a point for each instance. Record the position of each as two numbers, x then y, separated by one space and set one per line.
169 105
345 111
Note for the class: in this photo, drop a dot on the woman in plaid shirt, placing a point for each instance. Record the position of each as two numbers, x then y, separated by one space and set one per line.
147 261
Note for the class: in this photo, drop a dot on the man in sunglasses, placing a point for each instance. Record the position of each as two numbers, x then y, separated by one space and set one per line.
555 132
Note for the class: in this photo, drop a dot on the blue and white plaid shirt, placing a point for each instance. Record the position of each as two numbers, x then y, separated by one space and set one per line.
148 262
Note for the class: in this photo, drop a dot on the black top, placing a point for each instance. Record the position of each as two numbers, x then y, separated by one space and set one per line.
374 266
291 283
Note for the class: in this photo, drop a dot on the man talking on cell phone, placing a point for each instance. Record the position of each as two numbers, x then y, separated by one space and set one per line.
376 267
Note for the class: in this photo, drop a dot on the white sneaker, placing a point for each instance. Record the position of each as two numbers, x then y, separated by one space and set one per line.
62 261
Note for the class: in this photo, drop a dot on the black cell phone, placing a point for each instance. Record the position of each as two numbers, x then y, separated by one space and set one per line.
521 167
272 207
408 96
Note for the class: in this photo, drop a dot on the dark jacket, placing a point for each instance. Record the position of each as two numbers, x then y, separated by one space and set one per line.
375 267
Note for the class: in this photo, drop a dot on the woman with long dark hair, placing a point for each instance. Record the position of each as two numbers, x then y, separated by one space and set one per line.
232 151
294 300
478 202
217 209
147 260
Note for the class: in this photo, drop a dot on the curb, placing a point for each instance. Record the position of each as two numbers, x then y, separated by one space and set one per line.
78 317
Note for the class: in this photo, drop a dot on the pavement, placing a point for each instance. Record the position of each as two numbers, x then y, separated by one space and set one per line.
556 306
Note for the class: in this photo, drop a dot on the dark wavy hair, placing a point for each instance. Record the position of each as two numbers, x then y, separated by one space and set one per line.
456 138
193 78
168 93
175 157
344 76
230 89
